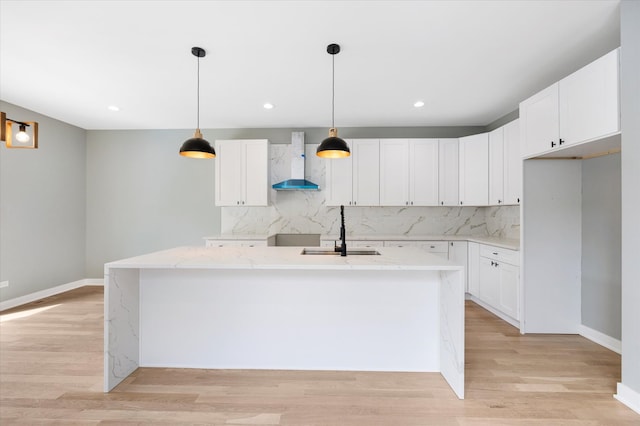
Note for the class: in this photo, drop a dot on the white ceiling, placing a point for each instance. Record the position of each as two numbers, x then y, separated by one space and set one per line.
471 62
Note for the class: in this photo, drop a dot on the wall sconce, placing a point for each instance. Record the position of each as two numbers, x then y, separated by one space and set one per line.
26 137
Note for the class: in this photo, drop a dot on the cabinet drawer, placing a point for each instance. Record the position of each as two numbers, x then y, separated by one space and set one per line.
236 243
430 246
511 257
363 243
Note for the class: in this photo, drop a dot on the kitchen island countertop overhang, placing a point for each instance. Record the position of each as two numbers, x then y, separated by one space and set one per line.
274 308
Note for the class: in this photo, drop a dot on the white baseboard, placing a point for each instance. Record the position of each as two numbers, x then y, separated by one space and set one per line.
628 397
600 338
12 303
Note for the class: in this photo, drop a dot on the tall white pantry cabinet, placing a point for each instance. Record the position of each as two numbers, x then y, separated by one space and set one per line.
576 118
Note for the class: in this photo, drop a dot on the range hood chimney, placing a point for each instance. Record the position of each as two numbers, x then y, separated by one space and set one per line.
297 181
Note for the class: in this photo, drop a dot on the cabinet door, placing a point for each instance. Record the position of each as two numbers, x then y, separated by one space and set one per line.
496 167
489 282
474 170
473 276
448 172
458 254
509 281
512 163
255 173
423 172
539 123
589 101
229 170
366 172
339 181
394 172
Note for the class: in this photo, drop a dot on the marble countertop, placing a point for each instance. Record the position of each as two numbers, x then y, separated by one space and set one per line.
390 258
511 244
494 241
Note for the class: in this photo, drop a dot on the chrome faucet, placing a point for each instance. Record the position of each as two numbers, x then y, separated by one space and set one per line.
343 236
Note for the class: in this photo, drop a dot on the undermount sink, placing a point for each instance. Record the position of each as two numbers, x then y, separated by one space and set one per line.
330 251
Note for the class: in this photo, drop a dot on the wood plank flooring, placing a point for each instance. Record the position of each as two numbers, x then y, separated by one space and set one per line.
51 364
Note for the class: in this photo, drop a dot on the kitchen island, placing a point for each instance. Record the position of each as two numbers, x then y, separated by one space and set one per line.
275 308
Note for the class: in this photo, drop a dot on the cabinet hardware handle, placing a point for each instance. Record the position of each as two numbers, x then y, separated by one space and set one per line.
406 203
460 202
493 263
561 141
442 203
354 203
495 253
412 203
238 202
518 200
553 144
499 201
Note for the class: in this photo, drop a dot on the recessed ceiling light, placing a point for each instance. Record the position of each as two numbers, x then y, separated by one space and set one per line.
268 106
418 104
113 108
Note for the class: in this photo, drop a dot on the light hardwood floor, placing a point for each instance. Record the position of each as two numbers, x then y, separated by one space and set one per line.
51 373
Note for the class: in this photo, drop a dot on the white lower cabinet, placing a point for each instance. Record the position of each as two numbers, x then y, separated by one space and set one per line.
458 254
499 280
473 266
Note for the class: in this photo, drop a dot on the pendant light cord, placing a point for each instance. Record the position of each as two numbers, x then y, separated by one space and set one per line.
198 95
333 89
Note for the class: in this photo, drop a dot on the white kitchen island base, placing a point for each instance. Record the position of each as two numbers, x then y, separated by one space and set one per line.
272 308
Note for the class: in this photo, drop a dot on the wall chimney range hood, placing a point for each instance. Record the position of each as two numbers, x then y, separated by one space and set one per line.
297 181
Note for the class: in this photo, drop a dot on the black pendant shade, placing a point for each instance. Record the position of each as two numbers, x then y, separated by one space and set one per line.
333 146
197 147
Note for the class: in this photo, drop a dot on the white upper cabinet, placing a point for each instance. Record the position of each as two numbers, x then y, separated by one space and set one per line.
579 108
589 101
505 165
512 163
448 172
539 122
496 167
355 180
423 172
394 172
338 181
408 172
474 170
242 172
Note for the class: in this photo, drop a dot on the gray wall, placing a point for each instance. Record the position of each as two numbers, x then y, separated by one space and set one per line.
601 249
142 196
42 208
630 109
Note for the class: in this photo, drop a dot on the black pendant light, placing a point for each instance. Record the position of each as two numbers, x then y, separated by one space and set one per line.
333 146
197 147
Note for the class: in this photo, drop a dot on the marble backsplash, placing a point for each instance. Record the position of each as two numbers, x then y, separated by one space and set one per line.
305 211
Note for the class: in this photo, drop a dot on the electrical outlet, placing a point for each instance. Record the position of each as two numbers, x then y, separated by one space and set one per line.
4 284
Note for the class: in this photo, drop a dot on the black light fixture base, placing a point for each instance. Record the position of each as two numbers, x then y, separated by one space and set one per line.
199 52
333 49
